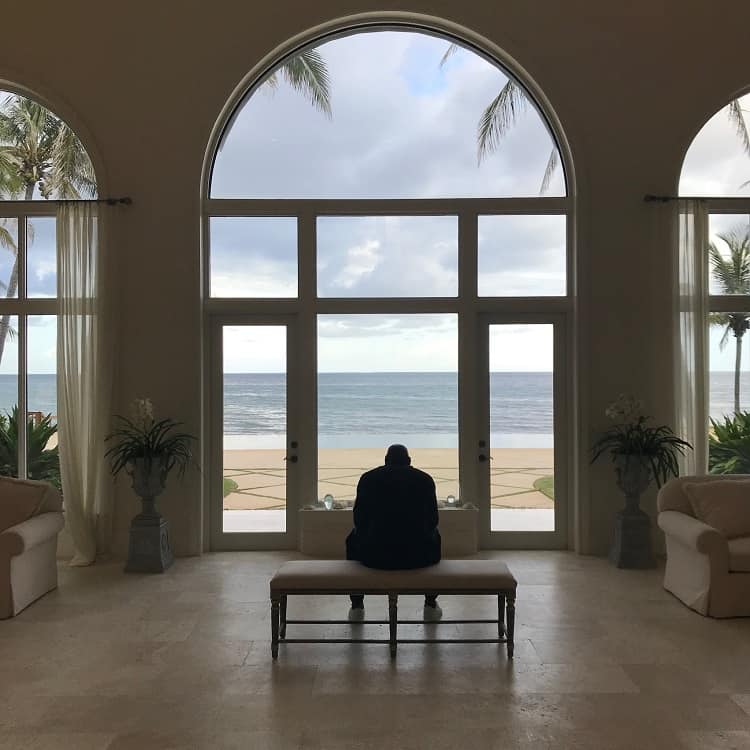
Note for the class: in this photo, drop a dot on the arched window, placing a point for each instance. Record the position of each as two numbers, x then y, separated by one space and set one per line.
386 216
717 169
41 161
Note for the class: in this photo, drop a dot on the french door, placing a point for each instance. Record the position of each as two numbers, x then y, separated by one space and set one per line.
255 422
521 452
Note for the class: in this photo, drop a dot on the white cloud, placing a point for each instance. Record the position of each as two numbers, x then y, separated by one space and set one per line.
361 260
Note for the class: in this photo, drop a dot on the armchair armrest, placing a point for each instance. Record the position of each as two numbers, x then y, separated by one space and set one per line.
694 533
28 534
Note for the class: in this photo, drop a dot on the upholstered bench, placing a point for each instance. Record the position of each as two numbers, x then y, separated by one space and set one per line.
322 577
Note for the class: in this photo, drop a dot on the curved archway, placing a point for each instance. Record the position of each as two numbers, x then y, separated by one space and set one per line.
385 195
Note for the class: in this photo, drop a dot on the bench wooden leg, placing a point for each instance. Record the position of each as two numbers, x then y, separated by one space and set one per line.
282 624
500 615
511 623
275 607
392 621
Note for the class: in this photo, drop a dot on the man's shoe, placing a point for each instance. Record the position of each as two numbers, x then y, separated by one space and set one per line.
432 612
356 614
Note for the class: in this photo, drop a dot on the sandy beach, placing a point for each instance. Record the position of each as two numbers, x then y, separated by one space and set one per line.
260 475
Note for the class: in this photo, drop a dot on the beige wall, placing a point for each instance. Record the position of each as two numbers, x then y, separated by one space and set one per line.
630 82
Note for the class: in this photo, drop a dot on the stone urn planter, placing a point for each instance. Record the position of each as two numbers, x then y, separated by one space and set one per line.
149 549
632 547
641 453
147 450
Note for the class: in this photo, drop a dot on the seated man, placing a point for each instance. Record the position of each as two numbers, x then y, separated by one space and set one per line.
395 522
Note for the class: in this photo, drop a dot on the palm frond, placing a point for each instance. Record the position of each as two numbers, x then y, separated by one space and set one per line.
452 49
308 74
73 174
737 118
549 170
499 116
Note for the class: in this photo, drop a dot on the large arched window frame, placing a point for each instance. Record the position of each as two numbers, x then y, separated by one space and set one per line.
33 224
700 296
471 310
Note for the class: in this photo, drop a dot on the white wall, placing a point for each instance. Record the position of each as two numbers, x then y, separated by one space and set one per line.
630 82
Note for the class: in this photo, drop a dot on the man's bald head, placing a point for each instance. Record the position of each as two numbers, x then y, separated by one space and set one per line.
397 455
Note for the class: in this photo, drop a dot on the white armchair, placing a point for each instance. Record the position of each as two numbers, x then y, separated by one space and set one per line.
30 520
706 570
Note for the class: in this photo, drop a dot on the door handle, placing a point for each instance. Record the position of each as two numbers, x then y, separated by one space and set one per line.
291 459
483 457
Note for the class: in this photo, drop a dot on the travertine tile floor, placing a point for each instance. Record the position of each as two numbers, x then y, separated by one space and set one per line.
605 660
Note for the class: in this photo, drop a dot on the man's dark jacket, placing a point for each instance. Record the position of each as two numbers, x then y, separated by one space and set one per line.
395 519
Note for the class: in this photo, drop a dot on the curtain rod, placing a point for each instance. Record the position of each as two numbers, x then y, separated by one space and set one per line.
125 201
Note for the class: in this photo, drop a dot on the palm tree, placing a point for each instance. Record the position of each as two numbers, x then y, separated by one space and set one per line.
733 273
38 151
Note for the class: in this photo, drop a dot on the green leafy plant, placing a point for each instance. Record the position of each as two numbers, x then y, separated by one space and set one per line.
141 436
41 462
632 436
729 445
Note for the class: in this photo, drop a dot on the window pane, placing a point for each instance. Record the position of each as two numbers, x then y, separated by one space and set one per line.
254 475
253 256
386 379
729 391
521 428
729 384
388 256
521 256
8 249
42 460
396 123
41 253
8 393
729 254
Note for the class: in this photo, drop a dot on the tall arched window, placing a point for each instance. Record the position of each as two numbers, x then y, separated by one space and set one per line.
386 241
41 161
717 170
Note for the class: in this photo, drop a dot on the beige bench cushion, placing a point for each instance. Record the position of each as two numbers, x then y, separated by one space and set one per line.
347 576
739 555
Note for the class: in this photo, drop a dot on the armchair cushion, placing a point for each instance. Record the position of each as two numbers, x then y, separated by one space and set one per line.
739 555
21 499
723 505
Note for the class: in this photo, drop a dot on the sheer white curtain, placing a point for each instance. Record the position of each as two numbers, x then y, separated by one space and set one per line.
691 340
84 376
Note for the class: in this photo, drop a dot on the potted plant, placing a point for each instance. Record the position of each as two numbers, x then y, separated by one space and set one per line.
641 454
148 450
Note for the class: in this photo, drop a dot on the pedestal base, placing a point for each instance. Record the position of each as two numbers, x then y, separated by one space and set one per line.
632 546
148 549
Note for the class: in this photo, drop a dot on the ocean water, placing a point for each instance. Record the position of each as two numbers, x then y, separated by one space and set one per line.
373 409
369 410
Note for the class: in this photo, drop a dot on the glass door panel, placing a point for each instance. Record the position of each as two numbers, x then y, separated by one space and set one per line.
518 454
254 407
386 379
